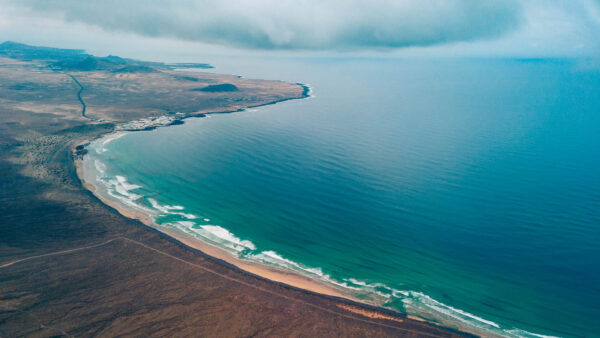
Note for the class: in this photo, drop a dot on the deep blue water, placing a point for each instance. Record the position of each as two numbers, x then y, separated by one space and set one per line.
463 191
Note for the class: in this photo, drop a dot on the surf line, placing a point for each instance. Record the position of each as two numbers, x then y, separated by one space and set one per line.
225 276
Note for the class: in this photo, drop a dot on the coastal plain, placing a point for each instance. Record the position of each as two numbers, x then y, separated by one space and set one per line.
73 266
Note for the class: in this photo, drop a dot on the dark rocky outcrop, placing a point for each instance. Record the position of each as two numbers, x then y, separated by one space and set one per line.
223 87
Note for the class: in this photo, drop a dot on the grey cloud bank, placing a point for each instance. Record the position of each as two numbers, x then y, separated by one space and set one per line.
293 25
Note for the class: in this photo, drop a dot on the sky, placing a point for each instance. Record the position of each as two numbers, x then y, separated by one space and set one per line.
520 28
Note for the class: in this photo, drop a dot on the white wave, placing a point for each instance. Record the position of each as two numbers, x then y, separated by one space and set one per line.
224 235
100 167
397 293
123 188
370 285
271 257
167 209
129 202
119 189
375 288
206 220
102 143
120 185
173 207
449 310
525 334
186 224
215 234
310 91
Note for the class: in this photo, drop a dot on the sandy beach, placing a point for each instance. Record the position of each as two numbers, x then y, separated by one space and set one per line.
277 275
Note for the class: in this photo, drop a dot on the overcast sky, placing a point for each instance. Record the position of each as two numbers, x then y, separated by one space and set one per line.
396 27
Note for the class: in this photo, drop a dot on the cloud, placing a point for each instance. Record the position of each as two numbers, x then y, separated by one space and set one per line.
293 25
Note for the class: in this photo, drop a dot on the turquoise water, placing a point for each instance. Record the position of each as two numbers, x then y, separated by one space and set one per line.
463 191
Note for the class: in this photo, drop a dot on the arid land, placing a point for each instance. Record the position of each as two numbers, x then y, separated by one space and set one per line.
71 265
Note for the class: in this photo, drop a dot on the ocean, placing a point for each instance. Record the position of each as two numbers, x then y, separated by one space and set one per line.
462 191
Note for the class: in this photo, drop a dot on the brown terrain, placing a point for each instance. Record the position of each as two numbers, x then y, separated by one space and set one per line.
72 266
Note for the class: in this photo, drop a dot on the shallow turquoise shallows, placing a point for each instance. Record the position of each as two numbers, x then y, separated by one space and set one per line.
463 191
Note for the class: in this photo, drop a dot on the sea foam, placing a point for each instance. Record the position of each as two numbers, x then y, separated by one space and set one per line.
272 258
100 167
214 234
124 188
310 92
446 310
169 209
102 143
119 189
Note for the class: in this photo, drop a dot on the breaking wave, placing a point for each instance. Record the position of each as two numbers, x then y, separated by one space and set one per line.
100 147
170 209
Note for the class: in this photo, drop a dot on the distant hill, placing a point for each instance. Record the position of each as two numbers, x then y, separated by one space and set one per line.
224 87
25 52
78 60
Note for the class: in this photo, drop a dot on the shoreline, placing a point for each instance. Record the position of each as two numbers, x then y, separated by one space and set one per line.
270 273
148 124
285 278
275 275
